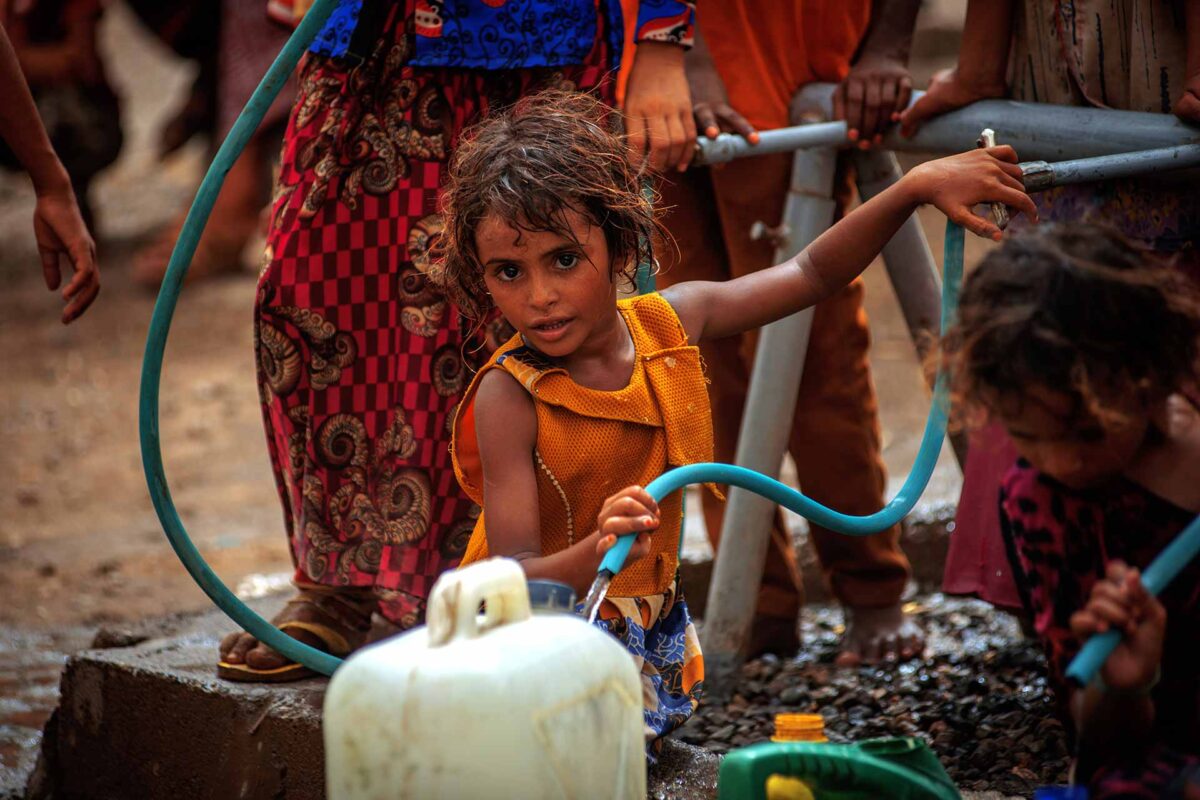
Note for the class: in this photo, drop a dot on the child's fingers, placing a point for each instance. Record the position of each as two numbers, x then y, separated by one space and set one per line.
621 526
50 268
706 120
975 224
873 98
1115 614
80 302
903 96
1003 152
1116 570
1018 200
1011 169
739 124
631 506
1084 624
640 494
1010 181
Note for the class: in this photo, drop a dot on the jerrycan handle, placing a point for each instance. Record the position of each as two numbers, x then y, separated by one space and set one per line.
498 584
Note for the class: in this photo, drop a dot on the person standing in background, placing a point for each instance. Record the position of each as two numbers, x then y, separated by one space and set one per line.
751 60
362 360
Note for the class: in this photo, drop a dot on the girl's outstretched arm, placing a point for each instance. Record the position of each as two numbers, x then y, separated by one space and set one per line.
711 310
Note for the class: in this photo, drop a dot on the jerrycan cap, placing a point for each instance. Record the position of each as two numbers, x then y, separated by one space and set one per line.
799 728
551 596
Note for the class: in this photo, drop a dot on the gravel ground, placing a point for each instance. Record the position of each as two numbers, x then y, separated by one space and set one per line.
979 698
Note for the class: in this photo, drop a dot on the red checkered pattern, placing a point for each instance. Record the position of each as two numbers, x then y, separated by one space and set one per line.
348 329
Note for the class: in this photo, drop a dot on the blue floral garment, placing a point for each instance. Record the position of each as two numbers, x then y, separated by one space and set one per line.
659 634
514 34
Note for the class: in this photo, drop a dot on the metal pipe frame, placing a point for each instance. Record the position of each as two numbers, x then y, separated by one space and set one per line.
762 439
1039 175
1038 131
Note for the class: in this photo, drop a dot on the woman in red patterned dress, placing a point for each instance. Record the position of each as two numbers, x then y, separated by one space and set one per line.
361 361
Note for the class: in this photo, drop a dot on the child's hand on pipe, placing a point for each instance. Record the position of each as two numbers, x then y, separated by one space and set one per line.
958 183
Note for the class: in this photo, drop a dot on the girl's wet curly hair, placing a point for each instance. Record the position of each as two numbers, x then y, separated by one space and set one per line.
549 153
1075 308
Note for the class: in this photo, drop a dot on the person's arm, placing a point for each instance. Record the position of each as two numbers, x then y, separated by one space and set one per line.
982 69
1187 107
57 224
658 108
710 100
1109 717
879 87
955 185
506 429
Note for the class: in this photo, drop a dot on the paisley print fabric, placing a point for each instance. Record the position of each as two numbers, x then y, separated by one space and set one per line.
659 634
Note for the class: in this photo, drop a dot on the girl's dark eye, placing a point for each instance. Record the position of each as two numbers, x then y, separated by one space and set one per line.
566 260
509 272
1089 435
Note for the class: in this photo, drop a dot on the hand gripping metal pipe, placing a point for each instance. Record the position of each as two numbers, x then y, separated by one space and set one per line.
1158 575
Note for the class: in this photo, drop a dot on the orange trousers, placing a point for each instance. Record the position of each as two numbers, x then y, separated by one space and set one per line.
835 432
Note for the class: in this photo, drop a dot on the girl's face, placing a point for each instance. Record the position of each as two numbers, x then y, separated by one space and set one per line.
1070 445
555 292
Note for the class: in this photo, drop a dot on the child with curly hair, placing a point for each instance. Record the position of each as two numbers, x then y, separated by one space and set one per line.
595 395
1085 349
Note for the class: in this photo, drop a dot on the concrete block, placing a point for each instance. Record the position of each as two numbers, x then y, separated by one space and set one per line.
148 718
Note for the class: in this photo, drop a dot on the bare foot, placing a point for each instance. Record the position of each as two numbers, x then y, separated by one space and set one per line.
879 634
333 621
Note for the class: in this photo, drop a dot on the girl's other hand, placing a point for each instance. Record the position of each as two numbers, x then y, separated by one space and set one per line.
947 91
631 510
958 183
61 234
658 109
1120 602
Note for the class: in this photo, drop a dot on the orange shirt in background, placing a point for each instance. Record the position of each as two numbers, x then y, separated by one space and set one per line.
766 50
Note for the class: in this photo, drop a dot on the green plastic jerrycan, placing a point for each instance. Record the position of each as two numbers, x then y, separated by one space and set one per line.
900 768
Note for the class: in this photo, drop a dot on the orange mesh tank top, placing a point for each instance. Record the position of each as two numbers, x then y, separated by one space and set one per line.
591 443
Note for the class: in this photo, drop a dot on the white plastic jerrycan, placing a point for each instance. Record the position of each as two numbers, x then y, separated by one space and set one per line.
500 705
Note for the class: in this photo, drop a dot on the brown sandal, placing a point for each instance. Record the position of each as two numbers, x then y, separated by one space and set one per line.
343 630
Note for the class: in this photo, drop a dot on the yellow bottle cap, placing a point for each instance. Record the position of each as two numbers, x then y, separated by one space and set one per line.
799 728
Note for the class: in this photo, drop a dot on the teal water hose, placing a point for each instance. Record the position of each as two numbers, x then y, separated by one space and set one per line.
786 496
156 341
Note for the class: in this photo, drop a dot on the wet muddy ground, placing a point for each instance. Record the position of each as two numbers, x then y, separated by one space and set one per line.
979 698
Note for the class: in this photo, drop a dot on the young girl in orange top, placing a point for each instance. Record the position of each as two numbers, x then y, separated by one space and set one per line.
596 396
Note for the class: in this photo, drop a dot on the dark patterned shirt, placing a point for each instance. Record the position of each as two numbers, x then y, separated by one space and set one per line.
1060 541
